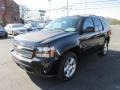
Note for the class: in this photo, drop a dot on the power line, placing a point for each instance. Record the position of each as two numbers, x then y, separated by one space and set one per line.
67 8
103 1
89 5
76 4
94 5
93 8
99 8
104 7
63 9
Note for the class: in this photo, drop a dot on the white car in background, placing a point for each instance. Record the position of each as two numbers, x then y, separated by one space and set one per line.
15 29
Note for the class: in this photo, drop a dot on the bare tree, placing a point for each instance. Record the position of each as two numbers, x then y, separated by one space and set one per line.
4 12
23 12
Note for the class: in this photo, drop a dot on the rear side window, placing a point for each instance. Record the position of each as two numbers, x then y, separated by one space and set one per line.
105 24
98 24
87 23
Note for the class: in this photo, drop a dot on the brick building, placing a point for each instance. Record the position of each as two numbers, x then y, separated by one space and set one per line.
9 11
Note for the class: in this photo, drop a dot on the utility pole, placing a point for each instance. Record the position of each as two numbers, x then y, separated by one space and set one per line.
77 12
49 8
5 10
67 8
85 6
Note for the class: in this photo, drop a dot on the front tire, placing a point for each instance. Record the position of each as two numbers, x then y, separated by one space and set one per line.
68 66
6 35
13 33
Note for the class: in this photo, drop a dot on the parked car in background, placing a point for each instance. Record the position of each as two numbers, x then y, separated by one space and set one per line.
56 49
3 33
34 26
15 29
42 25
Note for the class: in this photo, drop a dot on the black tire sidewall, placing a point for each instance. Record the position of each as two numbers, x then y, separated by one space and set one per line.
13 33
106 41
6 35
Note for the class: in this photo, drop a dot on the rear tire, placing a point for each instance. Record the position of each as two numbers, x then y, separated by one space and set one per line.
68 66
104 49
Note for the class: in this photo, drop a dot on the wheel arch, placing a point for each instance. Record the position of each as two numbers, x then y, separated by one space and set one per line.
75 50
108 39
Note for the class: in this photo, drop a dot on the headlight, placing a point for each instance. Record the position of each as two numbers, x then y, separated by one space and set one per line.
46 52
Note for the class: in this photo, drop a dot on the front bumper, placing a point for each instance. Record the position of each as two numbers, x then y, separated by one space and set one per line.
2 34
17 33
41 66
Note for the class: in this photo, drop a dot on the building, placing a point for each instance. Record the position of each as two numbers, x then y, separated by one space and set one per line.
9 11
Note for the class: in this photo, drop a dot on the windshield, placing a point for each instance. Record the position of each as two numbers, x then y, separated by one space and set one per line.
66 24
27 25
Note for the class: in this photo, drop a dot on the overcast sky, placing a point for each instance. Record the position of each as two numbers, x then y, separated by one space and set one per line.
107 8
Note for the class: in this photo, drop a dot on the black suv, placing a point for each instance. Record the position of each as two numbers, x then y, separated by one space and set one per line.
55 49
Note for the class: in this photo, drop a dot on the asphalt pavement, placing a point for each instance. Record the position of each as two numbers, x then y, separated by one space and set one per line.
94 72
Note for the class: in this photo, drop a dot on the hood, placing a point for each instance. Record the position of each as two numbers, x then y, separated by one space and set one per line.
42 36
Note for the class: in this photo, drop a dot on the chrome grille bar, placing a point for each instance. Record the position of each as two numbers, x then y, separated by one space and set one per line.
23 51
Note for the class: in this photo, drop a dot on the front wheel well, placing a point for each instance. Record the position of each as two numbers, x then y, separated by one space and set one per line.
76 50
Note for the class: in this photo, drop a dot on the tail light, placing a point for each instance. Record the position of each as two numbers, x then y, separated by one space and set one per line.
109 32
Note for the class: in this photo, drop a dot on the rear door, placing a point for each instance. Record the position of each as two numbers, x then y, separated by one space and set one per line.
87 39
98 29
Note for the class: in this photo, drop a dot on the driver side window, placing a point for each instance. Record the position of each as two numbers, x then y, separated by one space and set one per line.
87 23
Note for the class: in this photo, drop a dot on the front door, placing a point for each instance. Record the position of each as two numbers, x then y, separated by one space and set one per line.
87 39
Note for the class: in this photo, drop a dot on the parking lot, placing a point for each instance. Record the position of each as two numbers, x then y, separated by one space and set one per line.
94 73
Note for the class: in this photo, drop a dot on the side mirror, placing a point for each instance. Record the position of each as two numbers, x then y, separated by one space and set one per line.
89 29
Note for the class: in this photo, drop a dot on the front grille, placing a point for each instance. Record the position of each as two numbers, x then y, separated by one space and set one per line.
22 30
23 51
2 31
